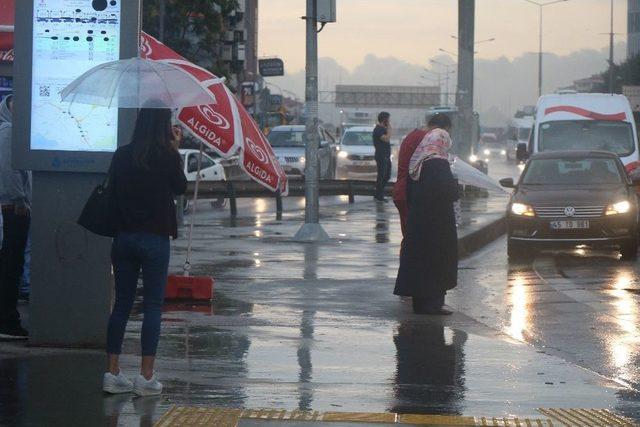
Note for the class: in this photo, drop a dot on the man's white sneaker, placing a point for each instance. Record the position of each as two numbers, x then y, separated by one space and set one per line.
116 384
145 387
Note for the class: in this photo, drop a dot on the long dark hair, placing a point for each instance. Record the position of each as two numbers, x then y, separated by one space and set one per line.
152 135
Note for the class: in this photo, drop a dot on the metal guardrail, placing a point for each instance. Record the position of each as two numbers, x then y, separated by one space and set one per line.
233 190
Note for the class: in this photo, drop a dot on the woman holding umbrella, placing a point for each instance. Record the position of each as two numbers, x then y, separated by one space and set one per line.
145 176
429 258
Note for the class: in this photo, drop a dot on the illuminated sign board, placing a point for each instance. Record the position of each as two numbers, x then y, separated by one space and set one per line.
69 38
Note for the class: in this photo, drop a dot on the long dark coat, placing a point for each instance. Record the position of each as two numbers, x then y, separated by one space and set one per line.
429 257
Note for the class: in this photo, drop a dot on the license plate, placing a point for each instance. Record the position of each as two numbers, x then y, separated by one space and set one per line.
569 225
361 163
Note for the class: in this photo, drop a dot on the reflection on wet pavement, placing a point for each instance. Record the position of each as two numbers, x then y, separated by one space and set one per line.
579 305
315 327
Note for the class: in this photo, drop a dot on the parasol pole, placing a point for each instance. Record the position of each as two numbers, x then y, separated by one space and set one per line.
187 263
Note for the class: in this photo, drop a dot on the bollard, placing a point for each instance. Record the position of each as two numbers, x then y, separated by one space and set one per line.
232 199
352 198
279 208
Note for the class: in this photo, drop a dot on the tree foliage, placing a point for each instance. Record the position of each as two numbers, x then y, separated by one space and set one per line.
625 74
193 28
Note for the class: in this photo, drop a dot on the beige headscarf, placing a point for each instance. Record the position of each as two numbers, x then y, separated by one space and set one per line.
435 145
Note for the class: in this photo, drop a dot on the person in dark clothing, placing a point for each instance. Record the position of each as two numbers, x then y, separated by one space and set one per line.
382 143
145 177
15 198
430 370
407 148
429 256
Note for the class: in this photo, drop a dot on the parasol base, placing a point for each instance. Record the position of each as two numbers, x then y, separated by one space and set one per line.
310 233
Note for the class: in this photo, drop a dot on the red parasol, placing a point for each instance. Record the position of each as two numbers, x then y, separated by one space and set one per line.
7 16
226 127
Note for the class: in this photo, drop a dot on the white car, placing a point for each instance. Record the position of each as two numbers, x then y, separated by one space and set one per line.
356 153
210 170
289 142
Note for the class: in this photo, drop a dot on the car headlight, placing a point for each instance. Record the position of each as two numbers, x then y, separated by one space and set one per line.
473 158
503 152
618 208
302 160
487 152
521 209
343 154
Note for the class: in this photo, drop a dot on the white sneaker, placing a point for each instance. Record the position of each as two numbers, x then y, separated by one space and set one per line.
144 387
116 384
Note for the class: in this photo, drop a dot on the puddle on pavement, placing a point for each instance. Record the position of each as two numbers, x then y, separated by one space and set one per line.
307 360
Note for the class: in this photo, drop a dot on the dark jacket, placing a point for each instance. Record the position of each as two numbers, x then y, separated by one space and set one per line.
429 258
15 185
144 197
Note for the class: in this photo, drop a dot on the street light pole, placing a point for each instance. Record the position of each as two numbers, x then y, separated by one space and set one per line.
540 57
311 231
540 6
464 93
611 34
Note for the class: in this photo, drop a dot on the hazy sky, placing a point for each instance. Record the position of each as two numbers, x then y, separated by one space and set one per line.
414 30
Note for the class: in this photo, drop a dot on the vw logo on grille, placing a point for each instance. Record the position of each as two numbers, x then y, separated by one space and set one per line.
569 211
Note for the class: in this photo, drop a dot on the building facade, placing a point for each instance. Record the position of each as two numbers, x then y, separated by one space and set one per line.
239 50
633 28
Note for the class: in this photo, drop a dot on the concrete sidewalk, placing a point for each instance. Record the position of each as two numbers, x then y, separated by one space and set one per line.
307 327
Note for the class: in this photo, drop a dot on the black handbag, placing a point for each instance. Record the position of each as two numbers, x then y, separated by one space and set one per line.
96 214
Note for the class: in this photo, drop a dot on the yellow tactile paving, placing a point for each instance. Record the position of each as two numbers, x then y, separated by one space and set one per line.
192 416
438 420
217 417
585 417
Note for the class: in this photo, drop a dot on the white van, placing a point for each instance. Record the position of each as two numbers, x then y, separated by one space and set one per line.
585 121
518 133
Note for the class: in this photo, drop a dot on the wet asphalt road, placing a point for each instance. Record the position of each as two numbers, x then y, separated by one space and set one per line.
316 328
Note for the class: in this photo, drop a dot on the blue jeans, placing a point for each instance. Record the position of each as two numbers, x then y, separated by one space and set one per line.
130 253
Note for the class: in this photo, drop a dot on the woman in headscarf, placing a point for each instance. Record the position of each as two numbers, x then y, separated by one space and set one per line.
429 258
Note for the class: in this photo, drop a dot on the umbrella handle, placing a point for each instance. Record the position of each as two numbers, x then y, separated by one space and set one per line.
186 268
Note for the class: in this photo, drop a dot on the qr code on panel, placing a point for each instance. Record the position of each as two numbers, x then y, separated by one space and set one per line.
45 91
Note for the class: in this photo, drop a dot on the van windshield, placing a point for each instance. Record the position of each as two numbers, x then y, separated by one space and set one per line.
523 134
616 137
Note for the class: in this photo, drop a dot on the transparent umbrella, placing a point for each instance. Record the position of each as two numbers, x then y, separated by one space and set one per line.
468 175
137 83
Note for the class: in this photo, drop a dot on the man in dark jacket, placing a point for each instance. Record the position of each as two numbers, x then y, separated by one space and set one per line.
15 199
382 143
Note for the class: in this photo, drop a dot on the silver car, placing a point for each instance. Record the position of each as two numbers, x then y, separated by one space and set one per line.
288 143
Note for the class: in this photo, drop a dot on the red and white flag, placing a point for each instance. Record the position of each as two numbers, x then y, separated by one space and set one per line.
226 126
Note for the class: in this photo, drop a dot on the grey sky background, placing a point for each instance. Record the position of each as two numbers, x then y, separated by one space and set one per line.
391 41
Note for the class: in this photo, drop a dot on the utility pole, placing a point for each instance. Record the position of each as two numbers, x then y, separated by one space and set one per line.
464 96
611 35
312 231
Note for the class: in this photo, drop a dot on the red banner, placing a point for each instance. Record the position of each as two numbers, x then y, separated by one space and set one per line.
7 18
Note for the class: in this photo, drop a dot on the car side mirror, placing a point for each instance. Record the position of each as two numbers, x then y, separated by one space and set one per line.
507 183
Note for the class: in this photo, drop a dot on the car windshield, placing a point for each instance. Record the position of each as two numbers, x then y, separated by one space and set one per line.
616 137
357 138
287 138
523 134
584 171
